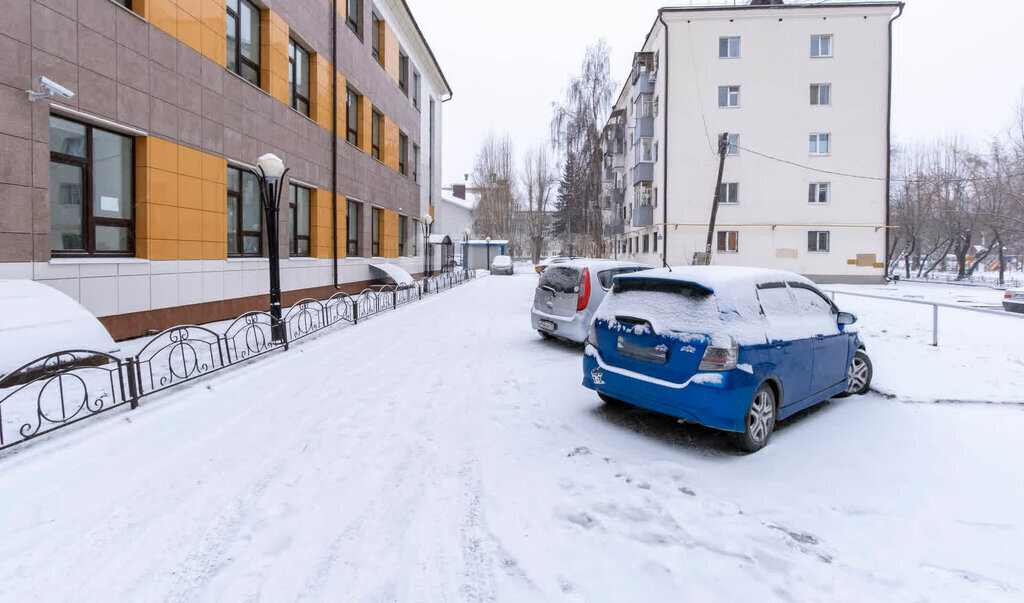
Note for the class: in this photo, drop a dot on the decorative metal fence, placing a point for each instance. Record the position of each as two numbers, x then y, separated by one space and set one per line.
65 387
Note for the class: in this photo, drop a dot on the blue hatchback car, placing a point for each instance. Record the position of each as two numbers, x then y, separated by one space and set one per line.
735 349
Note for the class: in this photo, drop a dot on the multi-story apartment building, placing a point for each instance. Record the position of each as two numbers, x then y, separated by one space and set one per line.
803 90
134 196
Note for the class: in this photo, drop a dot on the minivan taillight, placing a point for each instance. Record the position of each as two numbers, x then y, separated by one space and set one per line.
583 295
719 358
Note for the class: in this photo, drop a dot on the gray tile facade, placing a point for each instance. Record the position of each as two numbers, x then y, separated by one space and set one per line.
125 70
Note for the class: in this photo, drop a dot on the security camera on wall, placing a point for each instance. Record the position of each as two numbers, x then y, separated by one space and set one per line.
49 89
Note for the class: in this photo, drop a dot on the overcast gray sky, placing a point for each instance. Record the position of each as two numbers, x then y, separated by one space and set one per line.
959 68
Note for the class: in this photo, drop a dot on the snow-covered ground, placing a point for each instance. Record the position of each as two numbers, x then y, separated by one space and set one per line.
980 357
443 451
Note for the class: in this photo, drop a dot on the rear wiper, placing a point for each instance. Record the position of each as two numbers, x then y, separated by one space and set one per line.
551 289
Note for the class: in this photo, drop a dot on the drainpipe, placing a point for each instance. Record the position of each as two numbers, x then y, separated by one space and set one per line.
334 144
664 149
888 145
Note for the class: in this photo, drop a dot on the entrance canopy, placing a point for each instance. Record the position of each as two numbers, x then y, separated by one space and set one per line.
397 273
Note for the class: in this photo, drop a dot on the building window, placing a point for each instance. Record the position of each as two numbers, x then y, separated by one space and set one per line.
375 135
818 241
352 229
245 214
403 234
415 163
375 37
352 116
654 239
354 8
729 48
730 192
375 233
728 241
298 77
818 192
820 144
298 220
243 39
645 150
92 202
416 89
403 72
821 94
647 243
125 3
414 237
821 46
734 145
728 96
403 154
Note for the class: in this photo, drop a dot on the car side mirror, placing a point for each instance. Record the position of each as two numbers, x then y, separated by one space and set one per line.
845 318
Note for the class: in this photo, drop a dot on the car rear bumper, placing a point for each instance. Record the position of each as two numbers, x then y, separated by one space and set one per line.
716 400
573 328
1014 306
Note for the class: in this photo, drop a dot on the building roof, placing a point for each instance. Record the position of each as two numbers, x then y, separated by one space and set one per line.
464 203
430 51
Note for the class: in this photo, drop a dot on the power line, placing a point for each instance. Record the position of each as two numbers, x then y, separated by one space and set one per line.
873 178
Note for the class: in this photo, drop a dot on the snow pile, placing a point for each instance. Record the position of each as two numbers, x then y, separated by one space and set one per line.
397 273
36 320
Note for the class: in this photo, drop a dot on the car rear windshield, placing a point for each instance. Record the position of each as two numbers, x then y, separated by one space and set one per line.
562 279
669 306
606 276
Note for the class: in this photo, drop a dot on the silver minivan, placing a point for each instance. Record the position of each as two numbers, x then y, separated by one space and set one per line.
569 293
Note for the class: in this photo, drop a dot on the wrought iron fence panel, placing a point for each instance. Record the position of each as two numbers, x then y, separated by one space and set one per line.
304 318
407 294
58 390
177 355
249 336
339 308
386 298
366 303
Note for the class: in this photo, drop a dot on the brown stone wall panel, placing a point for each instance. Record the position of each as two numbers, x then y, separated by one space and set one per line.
15 112
16 23
16 68
97 52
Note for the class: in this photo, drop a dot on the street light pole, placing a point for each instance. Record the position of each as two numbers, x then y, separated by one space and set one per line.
270 172
427 220
465 248
488 253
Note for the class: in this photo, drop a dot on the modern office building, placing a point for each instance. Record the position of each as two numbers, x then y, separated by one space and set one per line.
134 197
803 90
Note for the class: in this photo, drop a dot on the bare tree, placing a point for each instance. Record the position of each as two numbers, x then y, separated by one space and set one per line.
576 133
537 179
495 179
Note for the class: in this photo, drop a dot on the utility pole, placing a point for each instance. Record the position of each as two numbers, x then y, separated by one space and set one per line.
723 150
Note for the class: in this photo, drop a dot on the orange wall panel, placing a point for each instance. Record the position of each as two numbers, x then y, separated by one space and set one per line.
390 51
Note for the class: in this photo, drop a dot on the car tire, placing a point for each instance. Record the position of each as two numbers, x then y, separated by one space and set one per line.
759 421
610 401
858 376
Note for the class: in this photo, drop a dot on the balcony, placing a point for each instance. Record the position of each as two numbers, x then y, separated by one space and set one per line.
643 172
644 127
619 161
615 227
644 84
618 196
643 215
614 136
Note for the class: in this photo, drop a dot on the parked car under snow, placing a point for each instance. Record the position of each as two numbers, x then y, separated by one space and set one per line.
735 349
1013 301
569 293
502 264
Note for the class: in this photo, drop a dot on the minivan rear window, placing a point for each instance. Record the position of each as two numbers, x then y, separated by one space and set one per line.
562 279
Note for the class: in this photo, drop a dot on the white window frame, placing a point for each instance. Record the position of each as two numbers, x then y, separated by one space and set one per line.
816 46
817 241
645 150
730 47
814 191
730 95
734 145
730 236
730 193
816 90
815 142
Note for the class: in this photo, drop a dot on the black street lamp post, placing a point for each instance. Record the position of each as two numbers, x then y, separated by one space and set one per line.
488 253
270 172
427 220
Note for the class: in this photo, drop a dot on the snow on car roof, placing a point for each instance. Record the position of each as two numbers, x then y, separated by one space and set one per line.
597 263
720 279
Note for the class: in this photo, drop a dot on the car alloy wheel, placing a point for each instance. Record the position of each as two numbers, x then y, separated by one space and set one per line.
858 376
761 417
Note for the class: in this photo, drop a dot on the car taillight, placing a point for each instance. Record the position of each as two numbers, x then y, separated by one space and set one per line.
1007 296
719 358
583 296
592 334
